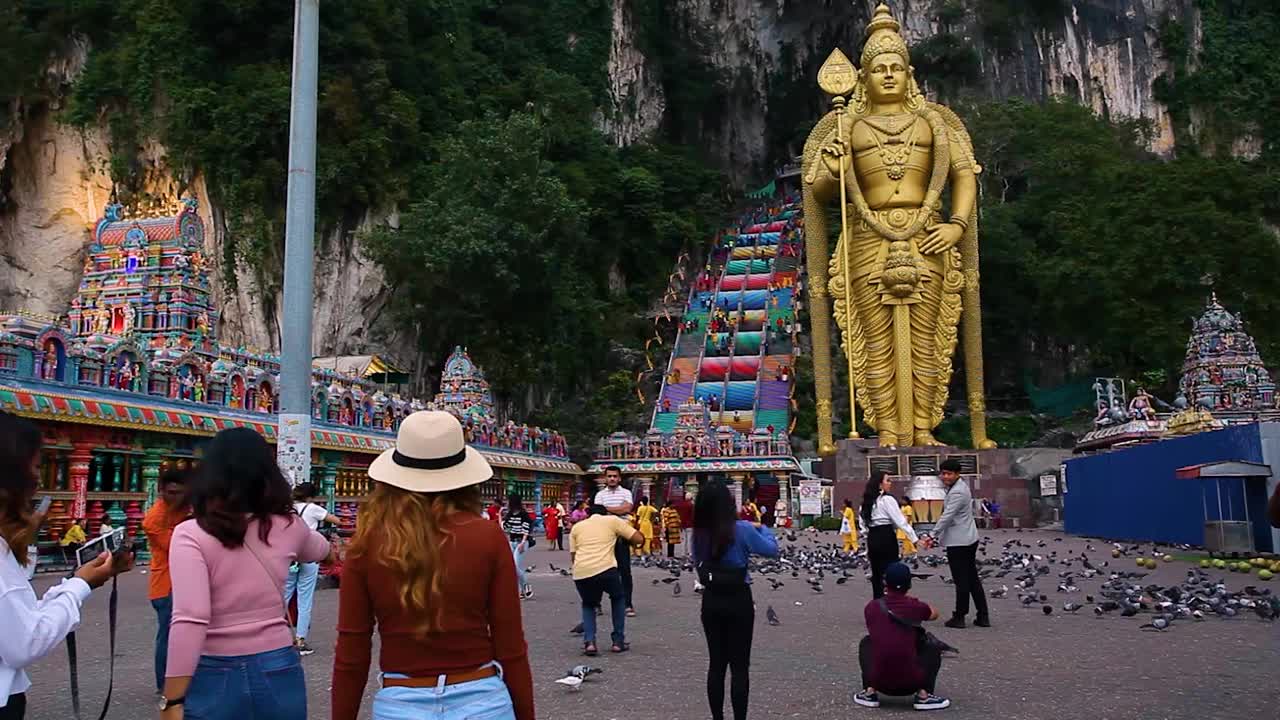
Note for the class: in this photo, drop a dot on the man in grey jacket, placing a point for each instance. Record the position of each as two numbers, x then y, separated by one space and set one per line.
958 533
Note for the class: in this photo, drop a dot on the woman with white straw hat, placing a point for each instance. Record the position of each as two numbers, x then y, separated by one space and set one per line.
438 581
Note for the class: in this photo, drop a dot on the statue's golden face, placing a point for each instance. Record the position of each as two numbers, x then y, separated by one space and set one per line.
887 78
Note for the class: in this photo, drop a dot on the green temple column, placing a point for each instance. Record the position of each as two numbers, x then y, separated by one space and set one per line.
329 478
153 456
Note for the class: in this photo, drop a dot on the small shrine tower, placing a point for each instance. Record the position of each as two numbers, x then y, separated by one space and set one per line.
1223 371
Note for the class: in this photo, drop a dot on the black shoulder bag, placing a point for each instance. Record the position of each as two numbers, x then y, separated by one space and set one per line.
925 639
715 575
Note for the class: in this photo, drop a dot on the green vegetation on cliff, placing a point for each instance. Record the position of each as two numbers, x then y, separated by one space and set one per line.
523 232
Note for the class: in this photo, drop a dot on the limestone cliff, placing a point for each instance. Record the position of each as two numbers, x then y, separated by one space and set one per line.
1102 53
53 183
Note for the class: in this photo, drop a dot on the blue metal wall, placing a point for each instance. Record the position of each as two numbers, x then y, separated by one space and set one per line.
1132 494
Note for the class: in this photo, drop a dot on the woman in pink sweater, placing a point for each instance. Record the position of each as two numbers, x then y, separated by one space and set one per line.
231 650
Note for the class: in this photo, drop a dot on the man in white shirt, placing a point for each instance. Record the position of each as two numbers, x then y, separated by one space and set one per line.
302 576
958 533
618 501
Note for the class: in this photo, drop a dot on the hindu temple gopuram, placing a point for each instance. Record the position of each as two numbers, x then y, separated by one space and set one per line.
133 377
1224 382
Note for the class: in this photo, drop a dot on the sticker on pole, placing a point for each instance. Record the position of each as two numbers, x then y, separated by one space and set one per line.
293 448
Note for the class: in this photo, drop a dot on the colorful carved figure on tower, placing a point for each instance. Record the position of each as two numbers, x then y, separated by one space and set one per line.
52 367
1140 407
902 273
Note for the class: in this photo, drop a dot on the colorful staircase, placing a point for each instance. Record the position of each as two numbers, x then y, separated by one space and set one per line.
741 369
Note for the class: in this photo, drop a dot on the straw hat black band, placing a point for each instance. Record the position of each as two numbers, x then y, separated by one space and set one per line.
429 463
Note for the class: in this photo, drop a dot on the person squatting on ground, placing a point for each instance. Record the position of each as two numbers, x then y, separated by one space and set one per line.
958 533
617 500
893 657
518 524
721 546
595 572
439 584
882 516
161 520
33 628
302 576
231 650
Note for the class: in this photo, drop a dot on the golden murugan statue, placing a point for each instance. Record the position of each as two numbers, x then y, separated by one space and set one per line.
884 154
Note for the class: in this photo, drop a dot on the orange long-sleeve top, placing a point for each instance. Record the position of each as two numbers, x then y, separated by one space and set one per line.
158 524
480 619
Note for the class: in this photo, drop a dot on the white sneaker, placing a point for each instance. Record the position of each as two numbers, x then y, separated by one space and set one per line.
697 587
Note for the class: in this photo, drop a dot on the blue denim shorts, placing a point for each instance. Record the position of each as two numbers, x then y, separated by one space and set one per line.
486 699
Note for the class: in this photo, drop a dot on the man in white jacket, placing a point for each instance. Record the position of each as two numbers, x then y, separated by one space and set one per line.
958 533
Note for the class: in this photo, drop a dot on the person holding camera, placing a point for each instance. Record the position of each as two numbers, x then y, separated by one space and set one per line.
33 628
893 659
231 650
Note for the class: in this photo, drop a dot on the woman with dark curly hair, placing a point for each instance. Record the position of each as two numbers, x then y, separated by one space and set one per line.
32 628
231 650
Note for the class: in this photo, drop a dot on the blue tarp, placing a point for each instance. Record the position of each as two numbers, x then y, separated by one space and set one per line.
1132 494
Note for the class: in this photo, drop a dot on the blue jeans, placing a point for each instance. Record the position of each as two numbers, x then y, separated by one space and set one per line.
486 699
248 687
518 555
304 580
592 590
164 613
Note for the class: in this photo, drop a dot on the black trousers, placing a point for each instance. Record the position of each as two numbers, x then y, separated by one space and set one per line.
882 550
963 560
929 659
622 553
16 708
671 550
728 621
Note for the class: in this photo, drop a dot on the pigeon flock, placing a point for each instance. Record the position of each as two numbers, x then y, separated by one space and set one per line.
1033 574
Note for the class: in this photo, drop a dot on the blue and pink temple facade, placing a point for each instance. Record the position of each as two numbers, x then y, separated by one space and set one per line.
133 378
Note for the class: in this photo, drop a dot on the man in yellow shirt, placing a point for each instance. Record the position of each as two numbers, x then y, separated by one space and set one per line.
595 572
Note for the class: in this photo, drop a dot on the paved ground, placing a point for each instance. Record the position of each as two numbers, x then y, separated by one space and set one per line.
1027 666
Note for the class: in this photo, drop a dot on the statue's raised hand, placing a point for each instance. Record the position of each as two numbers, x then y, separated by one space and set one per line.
835 154
941 237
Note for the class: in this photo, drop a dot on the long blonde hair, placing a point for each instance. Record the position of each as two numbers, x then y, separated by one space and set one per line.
405 531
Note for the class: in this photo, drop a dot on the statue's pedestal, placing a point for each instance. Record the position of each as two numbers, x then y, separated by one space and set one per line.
990 474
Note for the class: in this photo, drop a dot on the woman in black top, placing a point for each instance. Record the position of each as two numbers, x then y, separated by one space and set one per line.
517 524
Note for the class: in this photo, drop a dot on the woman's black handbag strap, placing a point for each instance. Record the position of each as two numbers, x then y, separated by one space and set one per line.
113 604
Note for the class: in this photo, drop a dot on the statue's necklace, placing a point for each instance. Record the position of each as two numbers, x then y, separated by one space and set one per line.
891 124
895 153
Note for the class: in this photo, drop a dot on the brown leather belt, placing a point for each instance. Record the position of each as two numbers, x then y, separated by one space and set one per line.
487 671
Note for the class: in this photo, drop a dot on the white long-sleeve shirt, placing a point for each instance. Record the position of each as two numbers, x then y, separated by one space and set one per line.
887 512
32 628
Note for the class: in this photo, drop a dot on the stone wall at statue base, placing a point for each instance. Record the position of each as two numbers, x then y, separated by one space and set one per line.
993 475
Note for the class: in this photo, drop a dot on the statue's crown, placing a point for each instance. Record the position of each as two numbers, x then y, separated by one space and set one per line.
883 37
